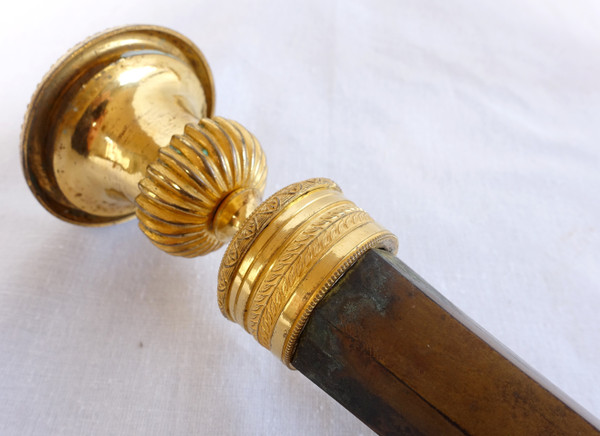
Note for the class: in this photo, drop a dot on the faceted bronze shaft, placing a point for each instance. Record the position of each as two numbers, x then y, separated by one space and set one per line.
404 360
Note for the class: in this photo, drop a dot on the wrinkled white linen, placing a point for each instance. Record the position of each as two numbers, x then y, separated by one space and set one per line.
470 129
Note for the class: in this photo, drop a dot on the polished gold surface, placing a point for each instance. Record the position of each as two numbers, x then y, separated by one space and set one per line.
288 255
101 114
126 112
202 187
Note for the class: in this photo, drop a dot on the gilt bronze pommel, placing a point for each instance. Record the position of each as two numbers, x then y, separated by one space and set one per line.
123 124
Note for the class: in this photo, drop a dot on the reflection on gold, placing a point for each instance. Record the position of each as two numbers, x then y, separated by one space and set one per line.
135 75
114 154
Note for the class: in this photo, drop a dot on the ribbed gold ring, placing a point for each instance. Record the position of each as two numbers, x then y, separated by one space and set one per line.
288 255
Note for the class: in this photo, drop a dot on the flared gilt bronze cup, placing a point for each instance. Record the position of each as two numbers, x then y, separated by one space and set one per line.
122 125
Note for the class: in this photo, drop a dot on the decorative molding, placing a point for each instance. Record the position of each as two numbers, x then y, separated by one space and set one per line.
288 255
257 221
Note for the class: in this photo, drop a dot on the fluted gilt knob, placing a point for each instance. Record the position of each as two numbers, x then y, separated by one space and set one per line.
202 187
123 125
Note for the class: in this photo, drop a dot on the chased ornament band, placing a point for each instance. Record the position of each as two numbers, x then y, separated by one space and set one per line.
288 254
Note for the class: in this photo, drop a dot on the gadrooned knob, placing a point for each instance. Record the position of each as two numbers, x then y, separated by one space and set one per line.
201 188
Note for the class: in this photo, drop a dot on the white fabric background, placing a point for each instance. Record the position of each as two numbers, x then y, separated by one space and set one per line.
470 129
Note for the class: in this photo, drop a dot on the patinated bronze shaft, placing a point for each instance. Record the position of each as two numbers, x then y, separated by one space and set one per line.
404 360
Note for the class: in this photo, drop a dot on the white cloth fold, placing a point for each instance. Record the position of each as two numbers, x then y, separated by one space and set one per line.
470 129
